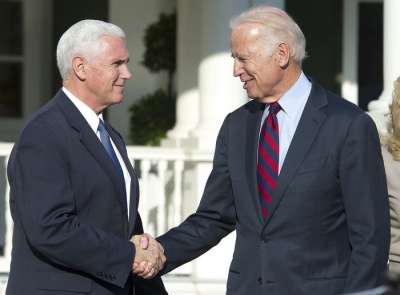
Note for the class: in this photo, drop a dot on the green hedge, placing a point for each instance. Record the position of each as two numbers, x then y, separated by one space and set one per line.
151 117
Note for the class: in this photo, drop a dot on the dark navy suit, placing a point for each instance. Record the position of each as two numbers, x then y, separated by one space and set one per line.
328 230
71 232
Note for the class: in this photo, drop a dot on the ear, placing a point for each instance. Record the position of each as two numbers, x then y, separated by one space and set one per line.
78 67
282 55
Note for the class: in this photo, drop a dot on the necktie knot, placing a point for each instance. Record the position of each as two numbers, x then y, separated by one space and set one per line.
101 128
274 108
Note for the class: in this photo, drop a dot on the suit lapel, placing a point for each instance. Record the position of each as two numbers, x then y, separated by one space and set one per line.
90 141
253 123
307 129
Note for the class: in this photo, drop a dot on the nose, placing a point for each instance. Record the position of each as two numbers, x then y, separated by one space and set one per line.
125 73
237 68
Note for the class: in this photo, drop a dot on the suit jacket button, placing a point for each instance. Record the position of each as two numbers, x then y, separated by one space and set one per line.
259 280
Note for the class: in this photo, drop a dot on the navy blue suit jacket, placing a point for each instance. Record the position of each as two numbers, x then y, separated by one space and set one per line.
71 229
328 227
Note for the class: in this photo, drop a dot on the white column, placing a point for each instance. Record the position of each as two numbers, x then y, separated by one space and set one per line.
391 61
188 59
219 91
350 51
194 33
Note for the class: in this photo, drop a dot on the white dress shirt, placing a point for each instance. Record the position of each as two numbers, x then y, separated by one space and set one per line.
93 120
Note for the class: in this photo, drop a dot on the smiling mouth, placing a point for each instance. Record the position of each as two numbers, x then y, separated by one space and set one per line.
245 83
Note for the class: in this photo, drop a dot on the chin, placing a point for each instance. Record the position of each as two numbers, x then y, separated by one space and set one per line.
253 95
117 100
119 96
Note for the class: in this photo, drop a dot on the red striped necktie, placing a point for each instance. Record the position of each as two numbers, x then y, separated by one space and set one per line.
268 158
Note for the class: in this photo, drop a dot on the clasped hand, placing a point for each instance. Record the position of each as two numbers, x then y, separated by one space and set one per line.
149 258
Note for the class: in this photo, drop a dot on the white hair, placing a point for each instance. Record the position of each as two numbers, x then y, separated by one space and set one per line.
278 27
83 39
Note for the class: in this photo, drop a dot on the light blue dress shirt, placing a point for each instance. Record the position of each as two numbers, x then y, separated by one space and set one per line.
292 105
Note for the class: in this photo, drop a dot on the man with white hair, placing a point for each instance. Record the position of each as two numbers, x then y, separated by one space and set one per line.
74 194
297 172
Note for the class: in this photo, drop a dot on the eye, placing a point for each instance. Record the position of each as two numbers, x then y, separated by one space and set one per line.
241 59
118 63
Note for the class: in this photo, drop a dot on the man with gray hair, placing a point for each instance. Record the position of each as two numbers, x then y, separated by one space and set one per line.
74 194
297 172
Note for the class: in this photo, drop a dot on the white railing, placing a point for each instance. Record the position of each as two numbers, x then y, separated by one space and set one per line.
161 173
171 181
5 150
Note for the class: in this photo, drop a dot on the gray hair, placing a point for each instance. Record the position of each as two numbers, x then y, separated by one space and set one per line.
84 39
278 28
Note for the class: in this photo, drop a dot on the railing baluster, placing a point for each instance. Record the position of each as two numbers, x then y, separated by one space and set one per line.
5 150
177 197
161 220
8 219
145 166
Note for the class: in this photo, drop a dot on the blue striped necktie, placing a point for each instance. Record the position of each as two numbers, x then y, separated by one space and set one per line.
268 158
105 140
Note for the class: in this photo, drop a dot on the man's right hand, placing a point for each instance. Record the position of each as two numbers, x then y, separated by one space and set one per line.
149 258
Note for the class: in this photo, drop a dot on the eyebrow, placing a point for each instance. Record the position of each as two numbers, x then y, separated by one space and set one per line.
241 56
121 61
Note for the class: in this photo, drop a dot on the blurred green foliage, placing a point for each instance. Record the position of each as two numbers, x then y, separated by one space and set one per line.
160 43
151 118
154 114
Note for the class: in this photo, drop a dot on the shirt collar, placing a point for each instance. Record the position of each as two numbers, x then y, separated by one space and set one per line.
90 116
296 96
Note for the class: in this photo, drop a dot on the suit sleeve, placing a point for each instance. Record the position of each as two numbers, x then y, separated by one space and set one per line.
45 210
214 218
364 190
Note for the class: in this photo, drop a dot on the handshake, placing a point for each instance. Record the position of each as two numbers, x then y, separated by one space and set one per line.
149 258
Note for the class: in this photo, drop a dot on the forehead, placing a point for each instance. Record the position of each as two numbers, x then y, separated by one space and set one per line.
246 37
114 46
246 30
